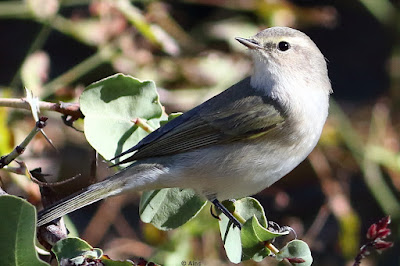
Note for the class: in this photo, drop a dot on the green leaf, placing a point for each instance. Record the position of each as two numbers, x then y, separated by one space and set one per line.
169 208
110 107
249 242
17 232
249 207
76 250
296 249
231 238
253 236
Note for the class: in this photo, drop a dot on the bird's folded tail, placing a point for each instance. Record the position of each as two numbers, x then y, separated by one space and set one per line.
109 187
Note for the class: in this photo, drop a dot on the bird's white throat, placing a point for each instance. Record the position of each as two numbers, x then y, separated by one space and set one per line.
299 97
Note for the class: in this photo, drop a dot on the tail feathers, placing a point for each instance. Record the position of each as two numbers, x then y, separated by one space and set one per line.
91 194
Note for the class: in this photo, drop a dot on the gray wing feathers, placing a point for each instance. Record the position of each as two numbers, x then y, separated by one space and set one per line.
235 114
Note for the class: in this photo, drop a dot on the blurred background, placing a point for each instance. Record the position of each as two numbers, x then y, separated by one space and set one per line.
351 180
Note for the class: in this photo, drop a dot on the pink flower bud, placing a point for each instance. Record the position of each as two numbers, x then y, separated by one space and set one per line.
383 223
371 233
295 260
381 245
383 233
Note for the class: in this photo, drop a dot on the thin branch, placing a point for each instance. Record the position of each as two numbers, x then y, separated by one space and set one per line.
52 184
142 123
5 160
271 247
69 109
93 168
49 234
14 9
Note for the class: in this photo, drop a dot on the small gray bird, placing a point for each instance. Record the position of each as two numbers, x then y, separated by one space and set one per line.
238 142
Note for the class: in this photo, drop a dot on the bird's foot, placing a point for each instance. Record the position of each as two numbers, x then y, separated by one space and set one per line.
228 214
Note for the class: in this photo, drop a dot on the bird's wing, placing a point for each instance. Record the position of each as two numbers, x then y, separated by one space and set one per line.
209 124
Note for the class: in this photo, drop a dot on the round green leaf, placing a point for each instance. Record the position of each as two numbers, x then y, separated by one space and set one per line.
17 232
169 208
231 238
250 240
249 207
76 250
111 106
262 233
253 236
296 249
246 208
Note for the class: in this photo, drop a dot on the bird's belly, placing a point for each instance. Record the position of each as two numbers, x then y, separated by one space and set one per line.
248 176
235 171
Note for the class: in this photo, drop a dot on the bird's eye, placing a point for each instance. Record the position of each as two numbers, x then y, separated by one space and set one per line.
283 46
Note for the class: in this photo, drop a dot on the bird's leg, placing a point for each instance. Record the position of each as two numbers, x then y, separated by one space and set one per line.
213 214
273 226
225 211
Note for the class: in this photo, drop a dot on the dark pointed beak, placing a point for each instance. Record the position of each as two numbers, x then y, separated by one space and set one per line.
249 43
